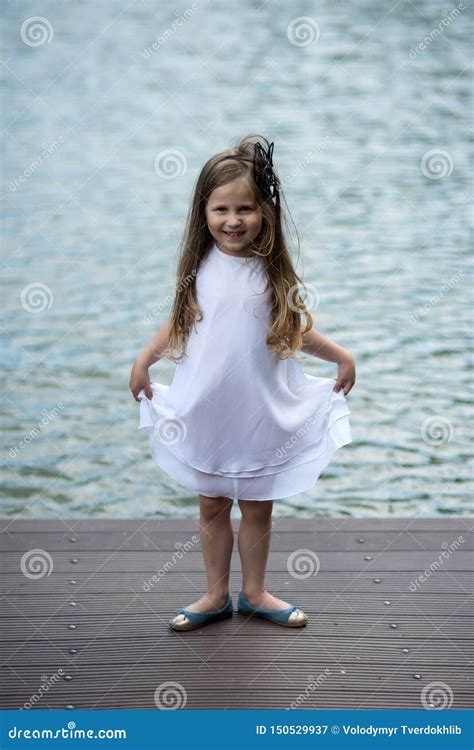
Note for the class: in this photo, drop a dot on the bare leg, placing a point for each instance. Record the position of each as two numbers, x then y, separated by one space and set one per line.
217 541
254 545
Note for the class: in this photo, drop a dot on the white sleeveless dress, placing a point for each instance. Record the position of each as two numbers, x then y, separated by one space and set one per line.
237 421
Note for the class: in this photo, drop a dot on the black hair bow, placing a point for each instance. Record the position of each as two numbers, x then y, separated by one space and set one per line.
263 169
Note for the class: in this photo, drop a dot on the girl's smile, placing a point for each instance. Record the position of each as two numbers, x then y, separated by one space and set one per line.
233 216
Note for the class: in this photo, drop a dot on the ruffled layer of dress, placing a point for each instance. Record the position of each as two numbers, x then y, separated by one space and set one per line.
290 468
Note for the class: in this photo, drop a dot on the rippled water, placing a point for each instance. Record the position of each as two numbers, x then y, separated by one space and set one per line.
371 140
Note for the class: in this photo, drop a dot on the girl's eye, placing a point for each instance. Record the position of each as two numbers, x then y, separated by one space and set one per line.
244 208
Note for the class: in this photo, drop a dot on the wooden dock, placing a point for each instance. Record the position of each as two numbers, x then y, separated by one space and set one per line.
378 636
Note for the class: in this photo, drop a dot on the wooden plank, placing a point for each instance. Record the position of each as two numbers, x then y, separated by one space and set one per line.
459 523
123 698
163 602
347 649
244 685
90 625
441 582
142 540
244 674
189 561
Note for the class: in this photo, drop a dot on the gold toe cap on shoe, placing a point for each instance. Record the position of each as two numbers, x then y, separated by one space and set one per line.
181 622
298 618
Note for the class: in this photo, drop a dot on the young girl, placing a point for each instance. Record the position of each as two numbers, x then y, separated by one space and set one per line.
241 420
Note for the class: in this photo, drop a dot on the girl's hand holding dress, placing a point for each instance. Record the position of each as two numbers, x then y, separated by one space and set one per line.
139 379
152 353
346 374
317 345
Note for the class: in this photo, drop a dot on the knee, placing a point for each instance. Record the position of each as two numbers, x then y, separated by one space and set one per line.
256 511
214 507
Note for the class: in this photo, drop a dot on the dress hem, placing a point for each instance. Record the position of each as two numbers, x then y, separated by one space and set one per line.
275 496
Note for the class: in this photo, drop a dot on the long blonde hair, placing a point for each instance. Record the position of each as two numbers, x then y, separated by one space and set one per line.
286 289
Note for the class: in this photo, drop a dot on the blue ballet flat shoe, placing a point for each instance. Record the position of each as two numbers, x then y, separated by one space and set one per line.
292 617
186 620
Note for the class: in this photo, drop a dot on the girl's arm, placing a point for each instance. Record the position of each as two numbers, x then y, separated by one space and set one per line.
154 350
139 378
318 345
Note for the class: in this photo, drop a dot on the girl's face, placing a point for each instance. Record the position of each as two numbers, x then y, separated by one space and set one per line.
233 216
